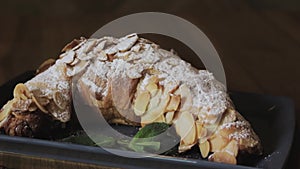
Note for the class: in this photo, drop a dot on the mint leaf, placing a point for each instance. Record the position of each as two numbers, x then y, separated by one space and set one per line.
144 139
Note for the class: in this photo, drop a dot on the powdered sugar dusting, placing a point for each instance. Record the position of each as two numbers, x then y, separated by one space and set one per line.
133 55
51 80
241 130
242 134
236 124
48 83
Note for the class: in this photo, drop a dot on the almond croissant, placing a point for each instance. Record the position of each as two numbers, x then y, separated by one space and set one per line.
134 82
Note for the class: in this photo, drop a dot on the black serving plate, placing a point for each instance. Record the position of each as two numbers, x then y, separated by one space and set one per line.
271 117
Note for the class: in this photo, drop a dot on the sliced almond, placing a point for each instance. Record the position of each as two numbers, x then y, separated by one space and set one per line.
217 143
190 138
211 128
136 48
123 55
152 88
71 45
43 100
222 157
155 100
88 47
204 148
232 148
118 121
153 72
21 92
186 97
59 100
4 113
6 110
68 57
100 46
86 56
200 130
183 147
199 127
171 87
82 41
161 119
225 132
151 85
141 103
184 124
153 79
78 68
127 42
38 104
45 65
111 51
155 110
134 72
211 118
174 103
169 117
102 56
229 116
75 61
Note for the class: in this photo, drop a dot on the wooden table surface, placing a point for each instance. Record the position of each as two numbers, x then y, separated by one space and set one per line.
258 41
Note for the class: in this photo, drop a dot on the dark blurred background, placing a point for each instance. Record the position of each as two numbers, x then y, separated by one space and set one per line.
258 40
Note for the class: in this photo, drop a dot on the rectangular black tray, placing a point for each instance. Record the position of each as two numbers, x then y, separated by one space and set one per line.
271 117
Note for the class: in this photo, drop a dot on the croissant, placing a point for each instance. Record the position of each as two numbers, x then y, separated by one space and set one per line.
134 82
